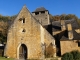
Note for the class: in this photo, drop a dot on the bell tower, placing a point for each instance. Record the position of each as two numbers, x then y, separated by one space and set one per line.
42 15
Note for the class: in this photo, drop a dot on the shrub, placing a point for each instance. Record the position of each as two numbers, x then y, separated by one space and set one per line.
67 56
76 55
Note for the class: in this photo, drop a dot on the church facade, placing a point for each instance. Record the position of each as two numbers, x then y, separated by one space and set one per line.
28 39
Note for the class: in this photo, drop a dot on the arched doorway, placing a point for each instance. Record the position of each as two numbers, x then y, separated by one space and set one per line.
23 52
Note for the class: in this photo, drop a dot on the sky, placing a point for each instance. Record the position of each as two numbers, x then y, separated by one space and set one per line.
55 7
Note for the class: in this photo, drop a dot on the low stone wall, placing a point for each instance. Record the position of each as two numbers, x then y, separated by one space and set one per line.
68 45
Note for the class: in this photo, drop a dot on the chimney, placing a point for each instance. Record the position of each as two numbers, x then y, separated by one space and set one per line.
63 27
70 32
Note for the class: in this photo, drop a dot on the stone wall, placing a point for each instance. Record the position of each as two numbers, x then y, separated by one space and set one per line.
43 18
67 46
63 27
70 32
56 32
50 45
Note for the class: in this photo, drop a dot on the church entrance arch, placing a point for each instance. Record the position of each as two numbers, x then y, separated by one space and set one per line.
22 52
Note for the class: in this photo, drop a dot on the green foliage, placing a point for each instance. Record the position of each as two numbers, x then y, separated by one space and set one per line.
2 38
73 55
4 18
67 56
76 55
3 58
7 18
64 17
13 17
4 26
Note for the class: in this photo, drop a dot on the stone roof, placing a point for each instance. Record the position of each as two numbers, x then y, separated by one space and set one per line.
56 26
76 35
64 35
74 23
40 9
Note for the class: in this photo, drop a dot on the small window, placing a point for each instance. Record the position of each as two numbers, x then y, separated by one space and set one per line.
36 13
23 20
42 12
23 30
79 44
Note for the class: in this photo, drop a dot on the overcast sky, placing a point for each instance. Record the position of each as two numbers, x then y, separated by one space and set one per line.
55 7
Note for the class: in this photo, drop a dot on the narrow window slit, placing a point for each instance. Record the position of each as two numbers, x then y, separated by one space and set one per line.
23 20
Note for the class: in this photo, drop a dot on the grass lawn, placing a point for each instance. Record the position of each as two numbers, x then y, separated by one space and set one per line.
3 58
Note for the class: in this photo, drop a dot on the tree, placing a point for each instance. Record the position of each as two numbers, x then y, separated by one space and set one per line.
3 31
4 26
62 16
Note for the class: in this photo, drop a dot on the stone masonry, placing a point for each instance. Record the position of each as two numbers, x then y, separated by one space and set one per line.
42 15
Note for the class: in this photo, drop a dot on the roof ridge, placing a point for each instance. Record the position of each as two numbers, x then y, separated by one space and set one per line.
40 9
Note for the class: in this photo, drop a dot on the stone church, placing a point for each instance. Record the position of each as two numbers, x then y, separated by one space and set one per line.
35 36
27 38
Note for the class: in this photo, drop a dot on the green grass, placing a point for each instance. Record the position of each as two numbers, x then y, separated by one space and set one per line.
3 58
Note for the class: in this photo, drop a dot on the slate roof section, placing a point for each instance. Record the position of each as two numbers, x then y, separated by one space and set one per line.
74 23
40 9
56 26
64 35
76 35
